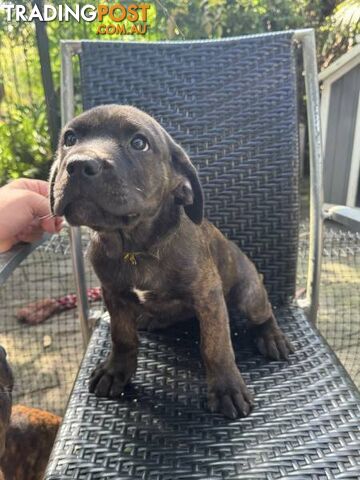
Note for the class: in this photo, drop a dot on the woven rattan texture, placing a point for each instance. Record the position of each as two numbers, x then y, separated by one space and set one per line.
305 424
232 105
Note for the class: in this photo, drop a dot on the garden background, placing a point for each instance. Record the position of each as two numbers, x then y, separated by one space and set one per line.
30 89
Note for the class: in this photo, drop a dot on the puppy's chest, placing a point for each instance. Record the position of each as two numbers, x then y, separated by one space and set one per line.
146 281
142 283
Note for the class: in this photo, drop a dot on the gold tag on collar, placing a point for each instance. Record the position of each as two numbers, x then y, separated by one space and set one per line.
130 257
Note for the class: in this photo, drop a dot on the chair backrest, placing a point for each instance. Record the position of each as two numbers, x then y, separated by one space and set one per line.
232 104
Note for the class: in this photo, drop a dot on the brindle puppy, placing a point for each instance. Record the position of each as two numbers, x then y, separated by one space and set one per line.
120 173
29 441
27 437
6 386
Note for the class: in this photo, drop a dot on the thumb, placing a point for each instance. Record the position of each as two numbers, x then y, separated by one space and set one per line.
40 209
39 205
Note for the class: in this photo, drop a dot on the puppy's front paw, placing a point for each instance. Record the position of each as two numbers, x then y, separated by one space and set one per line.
228 395
110 377
271 341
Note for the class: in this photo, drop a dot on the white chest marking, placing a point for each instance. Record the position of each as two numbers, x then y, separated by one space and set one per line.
141 294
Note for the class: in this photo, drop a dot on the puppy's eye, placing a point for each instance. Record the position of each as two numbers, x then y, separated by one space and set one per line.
69 138
140 143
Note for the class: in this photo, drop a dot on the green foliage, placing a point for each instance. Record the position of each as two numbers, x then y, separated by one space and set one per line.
338 31
24 140
24 137
24 145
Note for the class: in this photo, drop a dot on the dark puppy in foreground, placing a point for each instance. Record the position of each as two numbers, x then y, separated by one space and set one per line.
159 262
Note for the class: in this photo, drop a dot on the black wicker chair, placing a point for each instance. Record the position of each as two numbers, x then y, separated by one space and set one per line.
233 105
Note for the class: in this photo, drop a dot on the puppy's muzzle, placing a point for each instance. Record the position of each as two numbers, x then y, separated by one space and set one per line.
83 167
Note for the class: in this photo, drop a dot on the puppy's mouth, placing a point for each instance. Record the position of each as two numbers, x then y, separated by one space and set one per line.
129 219
88 213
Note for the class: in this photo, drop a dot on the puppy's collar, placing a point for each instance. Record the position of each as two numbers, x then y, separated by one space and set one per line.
130 257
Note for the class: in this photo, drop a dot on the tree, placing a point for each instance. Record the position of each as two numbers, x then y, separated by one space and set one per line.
52 103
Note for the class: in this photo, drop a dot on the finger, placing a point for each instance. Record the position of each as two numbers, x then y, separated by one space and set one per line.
31 231
49 225
37 186
32 237
59 223
5 245
34 225
40 209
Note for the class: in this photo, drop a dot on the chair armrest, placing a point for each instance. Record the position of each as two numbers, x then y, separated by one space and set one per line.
349 217
12 259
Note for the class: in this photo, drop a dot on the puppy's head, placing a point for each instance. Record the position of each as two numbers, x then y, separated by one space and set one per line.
116 166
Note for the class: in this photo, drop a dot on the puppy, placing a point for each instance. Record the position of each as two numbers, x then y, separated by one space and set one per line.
26 434
6 386
159 262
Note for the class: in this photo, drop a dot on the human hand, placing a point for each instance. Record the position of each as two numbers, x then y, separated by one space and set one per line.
25 212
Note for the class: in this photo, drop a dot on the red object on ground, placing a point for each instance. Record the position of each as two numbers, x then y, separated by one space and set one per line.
41 310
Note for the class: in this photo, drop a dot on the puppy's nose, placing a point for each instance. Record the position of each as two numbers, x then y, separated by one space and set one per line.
86 167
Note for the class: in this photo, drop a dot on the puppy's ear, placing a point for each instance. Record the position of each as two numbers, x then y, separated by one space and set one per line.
53 173
188 191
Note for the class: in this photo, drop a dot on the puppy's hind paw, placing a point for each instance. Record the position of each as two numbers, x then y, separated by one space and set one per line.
272 342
